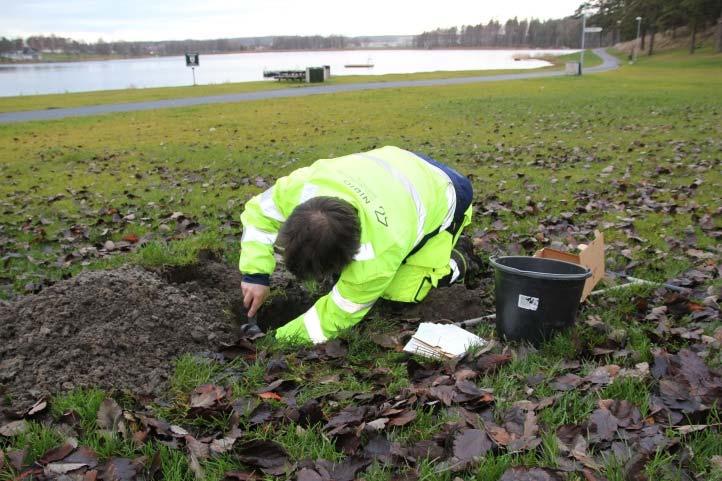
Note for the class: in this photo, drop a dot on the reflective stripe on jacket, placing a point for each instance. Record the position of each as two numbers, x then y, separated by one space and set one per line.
399 197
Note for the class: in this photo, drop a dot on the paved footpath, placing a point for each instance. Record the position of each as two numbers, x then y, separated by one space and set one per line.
609 63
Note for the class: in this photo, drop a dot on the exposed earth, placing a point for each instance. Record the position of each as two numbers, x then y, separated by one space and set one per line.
121 329
116 329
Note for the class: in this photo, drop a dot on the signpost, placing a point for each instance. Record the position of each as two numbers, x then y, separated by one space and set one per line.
192 61
595 30
585 30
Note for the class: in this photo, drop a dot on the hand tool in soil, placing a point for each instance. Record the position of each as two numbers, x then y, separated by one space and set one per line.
251 328
475 321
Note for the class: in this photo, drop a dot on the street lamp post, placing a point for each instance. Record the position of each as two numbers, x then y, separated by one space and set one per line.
637 45
584 28
619 31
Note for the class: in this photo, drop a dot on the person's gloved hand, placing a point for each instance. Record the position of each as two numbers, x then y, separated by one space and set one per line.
254 295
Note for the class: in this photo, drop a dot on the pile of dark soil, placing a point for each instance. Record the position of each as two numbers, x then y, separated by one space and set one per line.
455 303
121 329
116 329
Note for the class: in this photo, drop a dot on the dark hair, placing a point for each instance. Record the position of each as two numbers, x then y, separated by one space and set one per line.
320 238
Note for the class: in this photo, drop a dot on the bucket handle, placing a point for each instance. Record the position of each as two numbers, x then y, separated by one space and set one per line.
543 275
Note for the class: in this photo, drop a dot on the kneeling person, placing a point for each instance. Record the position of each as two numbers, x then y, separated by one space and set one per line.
385 223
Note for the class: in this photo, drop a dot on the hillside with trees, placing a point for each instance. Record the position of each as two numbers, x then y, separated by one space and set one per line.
514 33
656 16
616 17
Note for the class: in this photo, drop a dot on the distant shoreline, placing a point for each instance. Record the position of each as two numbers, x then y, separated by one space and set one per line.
102 58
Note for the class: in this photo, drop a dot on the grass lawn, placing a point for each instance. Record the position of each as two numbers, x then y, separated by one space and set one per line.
634 152
55 101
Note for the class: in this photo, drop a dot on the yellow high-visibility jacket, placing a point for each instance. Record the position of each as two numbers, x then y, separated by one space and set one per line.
400 198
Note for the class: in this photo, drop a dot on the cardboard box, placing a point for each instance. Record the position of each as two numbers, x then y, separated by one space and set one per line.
590 256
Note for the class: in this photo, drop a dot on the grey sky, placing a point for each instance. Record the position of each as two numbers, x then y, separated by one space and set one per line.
200 19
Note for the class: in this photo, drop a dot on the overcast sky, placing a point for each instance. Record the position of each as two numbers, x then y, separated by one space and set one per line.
201 19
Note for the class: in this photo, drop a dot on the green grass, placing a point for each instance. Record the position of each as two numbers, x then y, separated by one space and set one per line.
84 403
80 99
591 59
190 372
514 137
37 439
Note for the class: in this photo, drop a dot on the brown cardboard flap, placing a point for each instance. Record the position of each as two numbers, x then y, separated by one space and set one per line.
591 257
549 253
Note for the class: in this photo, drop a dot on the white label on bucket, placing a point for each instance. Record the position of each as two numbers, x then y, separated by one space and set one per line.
528 302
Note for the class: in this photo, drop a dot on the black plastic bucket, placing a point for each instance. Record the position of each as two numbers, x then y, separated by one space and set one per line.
536 297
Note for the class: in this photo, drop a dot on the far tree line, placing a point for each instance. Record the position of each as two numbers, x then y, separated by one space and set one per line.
55 44
52 43
618 19
556 33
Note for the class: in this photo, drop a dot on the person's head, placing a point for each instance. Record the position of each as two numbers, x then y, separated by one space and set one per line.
320 238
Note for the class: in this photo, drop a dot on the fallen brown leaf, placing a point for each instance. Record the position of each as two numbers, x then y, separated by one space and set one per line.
403 419
307 474
270 395
110 417
470 445
14 428
500 435
566 382
16 458
207 396
197 448
223 445
60 468
270 457
58 453
36 408
119 469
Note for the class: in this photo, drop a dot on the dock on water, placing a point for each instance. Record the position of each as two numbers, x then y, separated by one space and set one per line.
299 75
309 75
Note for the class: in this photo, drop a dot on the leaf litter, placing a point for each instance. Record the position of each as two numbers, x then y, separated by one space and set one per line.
684 391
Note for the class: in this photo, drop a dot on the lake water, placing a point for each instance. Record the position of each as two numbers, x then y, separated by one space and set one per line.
46 78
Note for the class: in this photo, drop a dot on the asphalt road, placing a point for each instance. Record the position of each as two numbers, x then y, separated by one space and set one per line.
609 63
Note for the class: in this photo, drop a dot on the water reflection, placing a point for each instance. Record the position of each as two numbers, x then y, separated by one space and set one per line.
26 79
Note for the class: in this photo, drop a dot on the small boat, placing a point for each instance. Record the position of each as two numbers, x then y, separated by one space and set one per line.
521 56
368 64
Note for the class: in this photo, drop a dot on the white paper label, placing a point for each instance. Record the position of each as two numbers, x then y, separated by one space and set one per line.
529 303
